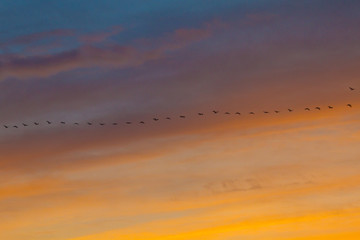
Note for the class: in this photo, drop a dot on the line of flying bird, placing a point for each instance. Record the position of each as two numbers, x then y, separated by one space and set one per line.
167 118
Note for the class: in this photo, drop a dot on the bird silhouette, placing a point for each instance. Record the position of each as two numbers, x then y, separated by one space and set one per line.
182 116
290 110
318 108
6 126
62 122
349 105
114 124
168 118
48 122
76 123
352 89
89 123
307 109
237 113
251 113
276 111
200 114
142 122
330 107
227 113
25 125
155 119
128 122
15 126
266 112
102 124
36 123
215 111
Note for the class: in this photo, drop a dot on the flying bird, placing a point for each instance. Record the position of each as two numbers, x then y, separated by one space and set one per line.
237 113
48 122
352 89
227 113
200 114
266 112
6 126
307 109
142 122
15 126
128 122
318 108
25 125
290 110
155 119
76 123
215 112
276 111
330 107
89 123
168 118
349 105
102 124
36 123
62 122
251 113
182 116
115 124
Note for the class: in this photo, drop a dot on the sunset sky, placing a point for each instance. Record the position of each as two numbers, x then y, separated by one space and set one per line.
264 176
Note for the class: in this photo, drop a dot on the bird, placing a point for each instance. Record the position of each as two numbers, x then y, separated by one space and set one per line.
200 114
128 122
15 126
6 126
290 110
102 124
276 111
215 111
237 113
307 109
318 108
25 125
142 122
62 122
251 113
36 123
330 107
155 119
48 122
227 113
76 123
114 124
89 123
349 105
182 116
168 118
351 88
266 112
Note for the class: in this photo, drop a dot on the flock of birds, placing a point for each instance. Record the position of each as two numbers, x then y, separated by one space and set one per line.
157 119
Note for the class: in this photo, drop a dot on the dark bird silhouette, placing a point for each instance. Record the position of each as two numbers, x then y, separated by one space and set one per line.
290 110
200 114
237 113
115 124
155 119
168 118
307 109
352 89
182 116
25 125
318 108
89 123
62 122
6 126
128 122
276 111
266 112
251 113
215 111
36 123
142 122
48 122
227 113
15 126
102 124
330 107
76 123
349 105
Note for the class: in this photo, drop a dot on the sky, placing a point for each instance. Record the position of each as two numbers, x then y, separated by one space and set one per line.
290 175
